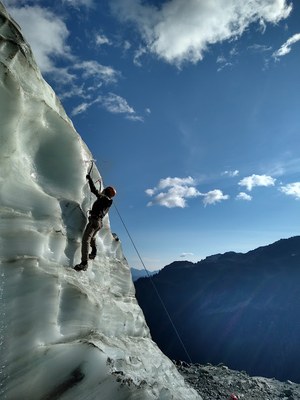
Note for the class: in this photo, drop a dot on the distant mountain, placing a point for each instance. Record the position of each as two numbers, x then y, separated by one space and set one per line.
239 309
141 273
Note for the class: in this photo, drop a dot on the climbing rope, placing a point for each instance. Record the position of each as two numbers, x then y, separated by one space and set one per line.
151 280
154 286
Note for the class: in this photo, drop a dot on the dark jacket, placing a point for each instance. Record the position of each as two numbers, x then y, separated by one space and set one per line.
102 204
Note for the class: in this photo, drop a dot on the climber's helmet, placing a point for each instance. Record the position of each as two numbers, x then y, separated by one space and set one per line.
109 191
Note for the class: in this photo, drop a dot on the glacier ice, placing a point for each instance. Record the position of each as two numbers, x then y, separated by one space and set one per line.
63 334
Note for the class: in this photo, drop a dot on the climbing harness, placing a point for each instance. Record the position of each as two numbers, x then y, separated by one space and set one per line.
154 287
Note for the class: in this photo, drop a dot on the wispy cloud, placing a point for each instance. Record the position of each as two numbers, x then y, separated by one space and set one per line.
113 103
259 48
79 3
291 189
116 104
80 108
285 164
137 55
244 196
231 174
181 31
184 255
93 69
77 91
224 65
47 34
228 61
287 46
257 180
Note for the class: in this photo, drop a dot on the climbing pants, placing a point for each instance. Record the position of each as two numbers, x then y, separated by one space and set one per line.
89 237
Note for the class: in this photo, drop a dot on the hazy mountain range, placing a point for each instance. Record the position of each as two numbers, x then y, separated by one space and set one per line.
141 273
239 309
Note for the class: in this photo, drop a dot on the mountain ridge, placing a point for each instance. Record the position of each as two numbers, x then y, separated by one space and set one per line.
237 308
261 250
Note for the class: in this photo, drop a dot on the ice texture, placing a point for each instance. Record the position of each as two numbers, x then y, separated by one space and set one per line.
63 334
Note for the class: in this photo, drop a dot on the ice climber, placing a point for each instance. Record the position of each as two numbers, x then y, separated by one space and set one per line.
99 210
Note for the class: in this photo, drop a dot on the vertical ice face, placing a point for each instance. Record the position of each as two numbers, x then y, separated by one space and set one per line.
63 334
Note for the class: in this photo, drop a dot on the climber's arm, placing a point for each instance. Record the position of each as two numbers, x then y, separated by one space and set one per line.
92 186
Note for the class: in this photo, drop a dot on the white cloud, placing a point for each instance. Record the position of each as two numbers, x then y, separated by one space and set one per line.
102 39
169 182
257 180
179 190
175 197
214 196
244 196
46 33
179 31
287 46
292 189
150 192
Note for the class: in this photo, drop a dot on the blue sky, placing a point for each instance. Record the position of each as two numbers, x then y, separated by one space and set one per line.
191 109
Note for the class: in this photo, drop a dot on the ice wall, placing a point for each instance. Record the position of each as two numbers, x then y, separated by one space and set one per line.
63 334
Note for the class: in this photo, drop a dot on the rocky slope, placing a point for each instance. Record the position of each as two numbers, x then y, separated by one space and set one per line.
219 383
